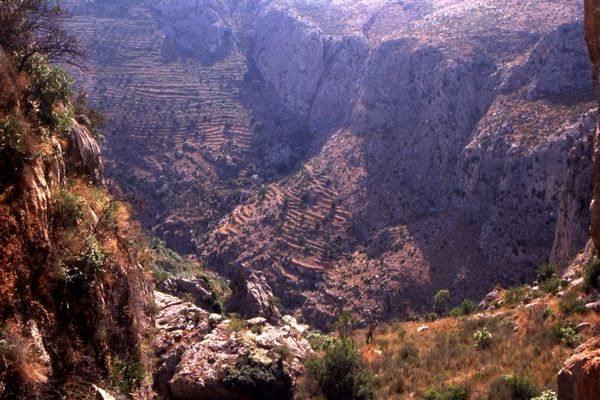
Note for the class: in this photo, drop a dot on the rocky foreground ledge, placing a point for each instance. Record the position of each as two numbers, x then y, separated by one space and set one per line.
203 355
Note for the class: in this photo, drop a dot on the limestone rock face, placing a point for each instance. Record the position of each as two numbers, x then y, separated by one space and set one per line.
289 54
201 357
196 287
592 36
199 27
579 379
86 151
251 296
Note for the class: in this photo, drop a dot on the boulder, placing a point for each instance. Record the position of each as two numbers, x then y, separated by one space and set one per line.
251 296
85 151
579 379
203 360
196 288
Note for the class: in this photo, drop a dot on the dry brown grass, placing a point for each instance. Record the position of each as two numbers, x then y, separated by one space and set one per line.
406 361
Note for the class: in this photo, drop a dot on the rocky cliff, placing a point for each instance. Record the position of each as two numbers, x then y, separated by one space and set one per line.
75 301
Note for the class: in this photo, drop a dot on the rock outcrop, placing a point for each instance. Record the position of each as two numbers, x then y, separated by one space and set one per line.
197 288
203 356
251 296
592 35
198 27
579 379
86 152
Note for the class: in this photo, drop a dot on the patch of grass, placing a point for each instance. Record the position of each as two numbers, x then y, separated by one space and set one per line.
449 393
236 324
68 209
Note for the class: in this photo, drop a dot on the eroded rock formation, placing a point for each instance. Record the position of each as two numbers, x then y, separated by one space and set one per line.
204 356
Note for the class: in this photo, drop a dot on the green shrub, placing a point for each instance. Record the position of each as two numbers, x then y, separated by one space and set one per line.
515 295
449 393
430 317
49 86
11 135
465 308
341 375
87 267
126 376
513 387
551 285
482 338
591 274
68 208
570 303
545 272
441 300
546 395
254 378
564 333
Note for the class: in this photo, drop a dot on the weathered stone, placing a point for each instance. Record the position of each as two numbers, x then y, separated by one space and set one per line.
579 379
86 152
251 296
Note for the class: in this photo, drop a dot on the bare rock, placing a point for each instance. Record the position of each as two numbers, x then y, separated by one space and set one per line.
196 288
579 379
251 296
86 152
201 360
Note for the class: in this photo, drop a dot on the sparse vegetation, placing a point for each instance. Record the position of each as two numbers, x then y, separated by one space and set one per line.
570 303
515 295
341 374
126 376
513 387
441 300
591 274
482 338
466 307
565 333
449 393
68 208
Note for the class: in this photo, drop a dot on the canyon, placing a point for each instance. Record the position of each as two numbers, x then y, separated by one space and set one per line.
357 154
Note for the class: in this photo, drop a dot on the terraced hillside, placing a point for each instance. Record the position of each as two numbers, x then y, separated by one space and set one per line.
359 154
185 134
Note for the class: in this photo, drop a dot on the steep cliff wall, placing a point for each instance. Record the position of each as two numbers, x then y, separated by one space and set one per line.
74 300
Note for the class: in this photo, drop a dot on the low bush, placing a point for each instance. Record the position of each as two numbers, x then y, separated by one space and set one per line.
255 379
546 395
482 338
11 135
551 285
515 295
126 376
68 209
449 393
236 324
87 267
565 333
441 300
545 272
512 387
591 274
570 303
465 308
341 374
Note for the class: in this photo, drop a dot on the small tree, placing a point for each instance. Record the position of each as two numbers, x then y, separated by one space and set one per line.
441 300
344 324
30 27
341 375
